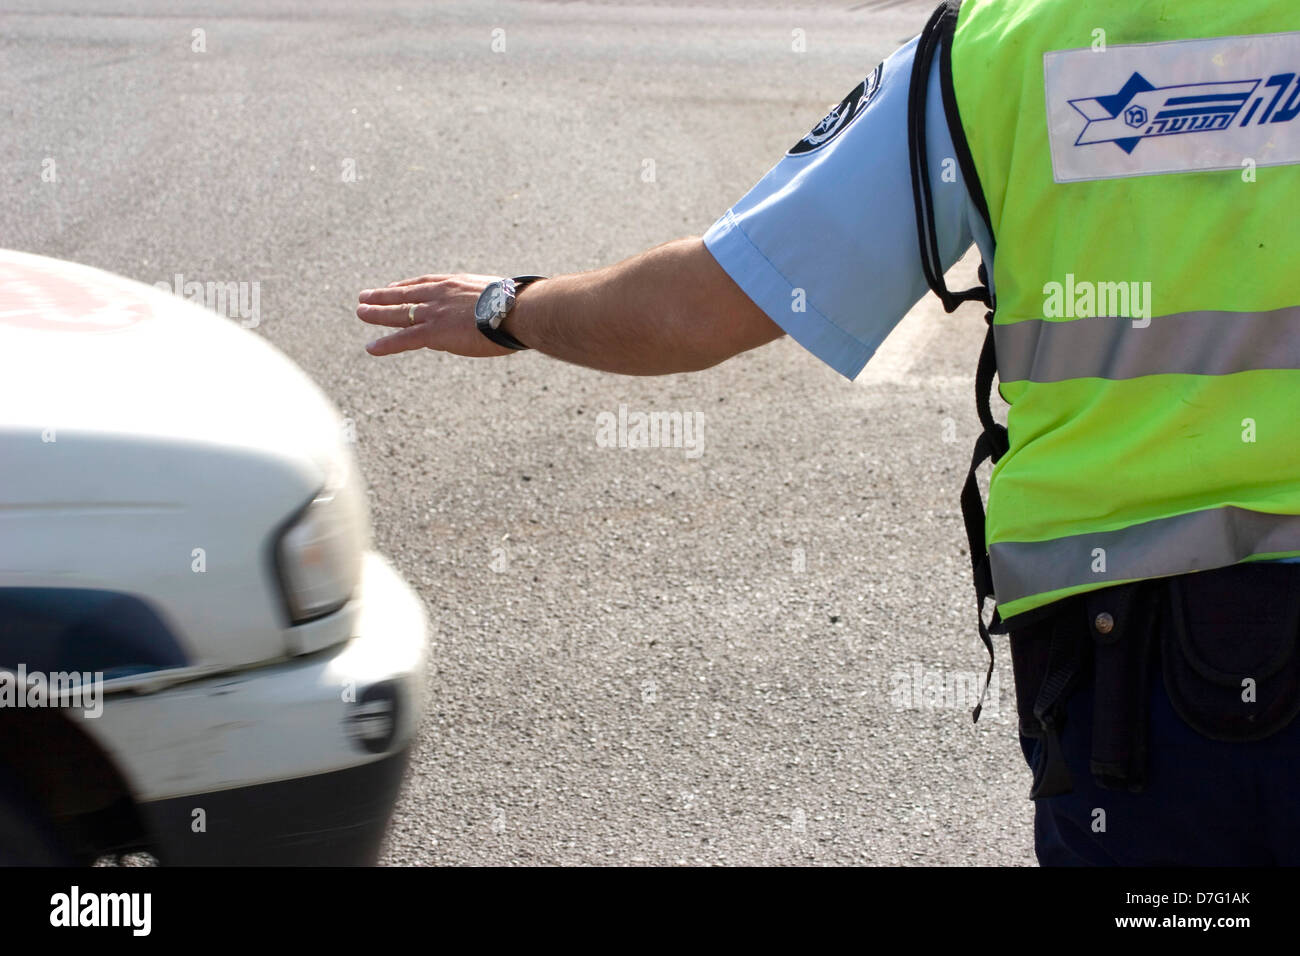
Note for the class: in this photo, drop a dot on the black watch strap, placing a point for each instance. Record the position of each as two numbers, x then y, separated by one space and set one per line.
501 336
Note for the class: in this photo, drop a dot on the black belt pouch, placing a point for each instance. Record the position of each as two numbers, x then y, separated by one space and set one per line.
1229 652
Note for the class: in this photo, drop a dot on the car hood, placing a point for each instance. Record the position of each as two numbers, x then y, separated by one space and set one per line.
153 447
90 351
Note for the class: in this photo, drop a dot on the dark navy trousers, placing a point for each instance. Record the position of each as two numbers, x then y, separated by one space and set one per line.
1206 802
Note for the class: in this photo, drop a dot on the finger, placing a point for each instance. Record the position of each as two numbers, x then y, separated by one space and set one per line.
393 316
396 295
403 341
418 280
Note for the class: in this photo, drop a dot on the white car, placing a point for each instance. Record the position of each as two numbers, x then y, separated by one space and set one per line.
200 657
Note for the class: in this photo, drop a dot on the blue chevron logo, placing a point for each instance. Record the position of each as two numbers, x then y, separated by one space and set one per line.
1141 110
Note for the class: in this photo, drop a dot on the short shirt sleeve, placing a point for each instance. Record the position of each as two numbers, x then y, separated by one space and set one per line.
826 243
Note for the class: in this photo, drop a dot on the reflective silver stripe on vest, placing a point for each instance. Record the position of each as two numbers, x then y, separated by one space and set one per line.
1198 541
1186 343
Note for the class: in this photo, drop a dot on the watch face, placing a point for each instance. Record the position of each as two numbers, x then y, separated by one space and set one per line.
491 304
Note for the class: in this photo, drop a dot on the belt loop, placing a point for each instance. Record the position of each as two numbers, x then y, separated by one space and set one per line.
1121 623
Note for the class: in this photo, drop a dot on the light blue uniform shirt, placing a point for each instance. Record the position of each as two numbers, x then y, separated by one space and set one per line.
832 229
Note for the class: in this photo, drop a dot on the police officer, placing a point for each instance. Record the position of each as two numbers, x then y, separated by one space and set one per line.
1129 171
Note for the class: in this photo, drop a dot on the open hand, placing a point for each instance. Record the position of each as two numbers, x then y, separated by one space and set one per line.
442 317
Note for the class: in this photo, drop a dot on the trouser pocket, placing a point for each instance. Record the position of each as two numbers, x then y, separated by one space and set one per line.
1231 666
1099 643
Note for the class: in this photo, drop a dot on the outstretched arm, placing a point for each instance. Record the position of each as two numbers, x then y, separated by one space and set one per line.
670 309
826 244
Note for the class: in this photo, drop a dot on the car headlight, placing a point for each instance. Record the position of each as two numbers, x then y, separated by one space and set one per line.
319 555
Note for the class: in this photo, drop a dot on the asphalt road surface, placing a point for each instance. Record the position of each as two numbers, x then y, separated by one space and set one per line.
639 655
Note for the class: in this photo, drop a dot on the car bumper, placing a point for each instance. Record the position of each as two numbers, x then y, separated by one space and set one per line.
326 819
295 763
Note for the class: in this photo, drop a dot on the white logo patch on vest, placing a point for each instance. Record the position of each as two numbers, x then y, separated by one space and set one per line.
1184 106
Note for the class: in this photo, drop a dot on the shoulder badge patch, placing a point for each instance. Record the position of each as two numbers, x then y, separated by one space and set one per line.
839 118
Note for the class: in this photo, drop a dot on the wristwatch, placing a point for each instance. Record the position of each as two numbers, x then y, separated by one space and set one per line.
494 304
